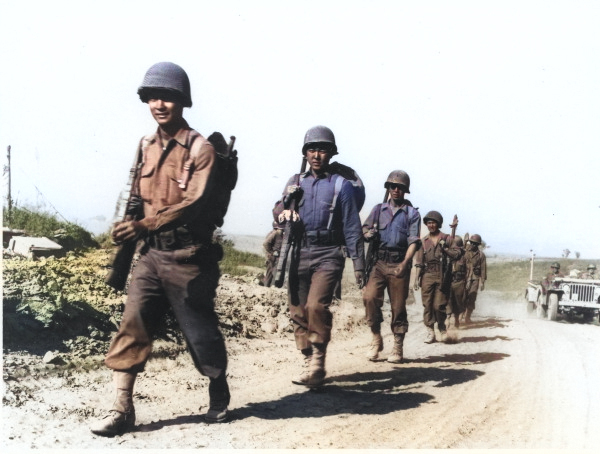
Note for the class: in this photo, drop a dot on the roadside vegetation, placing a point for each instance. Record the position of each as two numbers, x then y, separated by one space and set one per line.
37 222
66 297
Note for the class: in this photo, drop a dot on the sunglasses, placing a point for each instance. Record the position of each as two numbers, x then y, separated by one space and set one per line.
394 186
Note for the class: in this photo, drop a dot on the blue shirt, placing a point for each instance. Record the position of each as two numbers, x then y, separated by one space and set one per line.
396 230
315 209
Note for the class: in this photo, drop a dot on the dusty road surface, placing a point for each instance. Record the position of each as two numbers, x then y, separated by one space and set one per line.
509 381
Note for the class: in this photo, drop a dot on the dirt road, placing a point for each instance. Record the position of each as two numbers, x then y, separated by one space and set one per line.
509 381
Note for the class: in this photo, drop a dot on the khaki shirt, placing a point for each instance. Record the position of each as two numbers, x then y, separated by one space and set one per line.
165 203
430 257
476 265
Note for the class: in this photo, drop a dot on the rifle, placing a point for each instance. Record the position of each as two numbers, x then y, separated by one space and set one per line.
123 254
447 265
288 238
374 243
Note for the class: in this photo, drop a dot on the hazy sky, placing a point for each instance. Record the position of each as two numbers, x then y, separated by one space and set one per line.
492 107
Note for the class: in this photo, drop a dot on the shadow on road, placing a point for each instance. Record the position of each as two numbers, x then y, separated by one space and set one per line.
462 359
491 322
484 338
365 393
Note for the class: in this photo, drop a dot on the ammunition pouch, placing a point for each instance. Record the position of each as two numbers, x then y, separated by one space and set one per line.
322 238
391 255
178 238
433 267
458 276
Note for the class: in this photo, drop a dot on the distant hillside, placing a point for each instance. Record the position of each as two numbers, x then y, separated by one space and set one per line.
253 243
247 243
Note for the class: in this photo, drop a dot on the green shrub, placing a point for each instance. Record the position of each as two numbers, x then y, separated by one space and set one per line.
234 261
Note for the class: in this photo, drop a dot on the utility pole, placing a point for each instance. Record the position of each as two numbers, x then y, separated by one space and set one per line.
9 194
531 265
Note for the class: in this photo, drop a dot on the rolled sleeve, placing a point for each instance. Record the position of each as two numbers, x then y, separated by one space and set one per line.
414 228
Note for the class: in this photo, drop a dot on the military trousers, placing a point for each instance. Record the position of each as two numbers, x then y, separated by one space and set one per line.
472 290
434 301
382 277
186 280
271 268
456 302
313 276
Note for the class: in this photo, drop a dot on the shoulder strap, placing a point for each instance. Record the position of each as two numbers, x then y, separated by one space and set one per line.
194 147
339 181
379 207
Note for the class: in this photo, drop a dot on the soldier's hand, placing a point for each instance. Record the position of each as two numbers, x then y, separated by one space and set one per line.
294 192
288 215
369 234
400 270
360 278
128 231
482 287
293 188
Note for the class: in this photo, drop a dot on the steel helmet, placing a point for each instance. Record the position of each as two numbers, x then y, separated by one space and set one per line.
321 135
458 241
169 77
475 238
434 216
398 177
555 265
591 266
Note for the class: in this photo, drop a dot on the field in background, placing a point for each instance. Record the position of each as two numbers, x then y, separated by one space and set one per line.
507 274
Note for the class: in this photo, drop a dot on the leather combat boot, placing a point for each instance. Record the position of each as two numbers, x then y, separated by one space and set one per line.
397 353
121 418
430 339
302 379
316 369
449 321
375 347
468 316
443 336
218 391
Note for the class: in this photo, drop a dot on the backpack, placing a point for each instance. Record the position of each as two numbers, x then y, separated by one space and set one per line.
226 173
349 174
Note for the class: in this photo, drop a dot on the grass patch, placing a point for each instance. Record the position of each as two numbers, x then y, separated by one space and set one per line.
234 261
510 278
37 222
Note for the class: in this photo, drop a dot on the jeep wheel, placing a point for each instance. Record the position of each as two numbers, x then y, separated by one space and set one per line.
552 306
539 307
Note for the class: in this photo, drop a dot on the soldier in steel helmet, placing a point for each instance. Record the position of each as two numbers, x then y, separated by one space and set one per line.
591 272
554 273
178 266
476 273
396 225
326 218
272 247
432 259
456 302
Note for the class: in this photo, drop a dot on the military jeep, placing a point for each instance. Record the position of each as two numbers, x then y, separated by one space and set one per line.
565 295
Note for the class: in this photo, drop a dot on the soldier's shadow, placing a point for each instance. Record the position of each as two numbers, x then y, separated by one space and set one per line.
368 393
462 359
484 338
491 322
